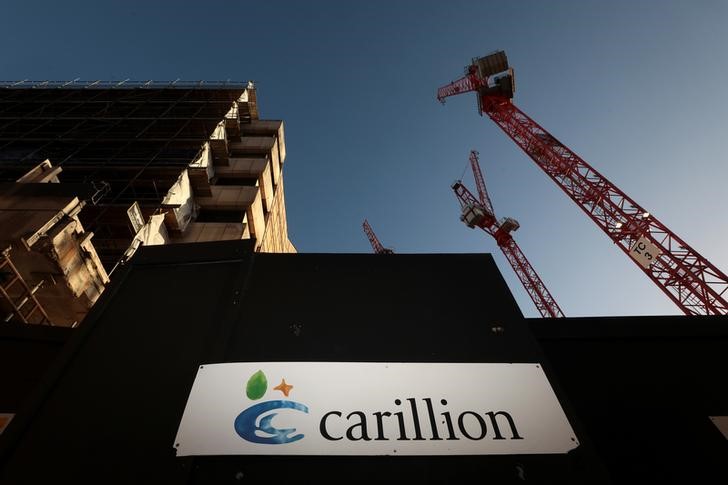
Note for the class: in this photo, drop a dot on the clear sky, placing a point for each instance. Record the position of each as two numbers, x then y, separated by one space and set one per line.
636 88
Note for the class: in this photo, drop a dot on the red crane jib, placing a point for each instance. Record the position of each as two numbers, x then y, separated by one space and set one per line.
377 246
692 282
470 82
478 212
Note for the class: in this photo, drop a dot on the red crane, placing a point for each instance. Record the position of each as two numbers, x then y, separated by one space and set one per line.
685 276
478 212
374 241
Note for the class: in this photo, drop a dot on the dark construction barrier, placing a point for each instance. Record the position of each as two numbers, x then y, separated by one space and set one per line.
637 390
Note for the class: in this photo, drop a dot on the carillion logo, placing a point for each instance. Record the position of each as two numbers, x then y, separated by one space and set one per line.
252 426
372 408
404 422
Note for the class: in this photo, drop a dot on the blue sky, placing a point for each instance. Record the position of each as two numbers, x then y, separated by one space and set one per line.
637 89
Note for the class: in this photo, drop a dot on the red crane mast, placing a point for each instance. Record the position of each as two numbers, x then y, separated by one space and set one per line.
374 240
478 212
692 282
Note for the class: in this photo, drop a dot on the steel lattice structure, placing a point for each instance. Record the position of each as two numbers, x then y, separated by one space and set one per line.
117 142
377 246
478 212
691 281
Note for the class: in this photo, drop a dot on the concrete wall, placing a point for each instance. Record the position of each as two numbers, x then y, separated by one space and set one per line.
276 239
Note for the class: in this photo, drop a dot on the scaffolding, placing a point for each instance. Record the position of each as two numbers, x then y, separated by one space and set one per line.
19 298
125 84
125 141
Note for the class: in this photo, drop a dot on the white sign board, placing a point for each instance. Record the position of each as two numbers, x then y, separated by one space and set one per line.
354 408
644 252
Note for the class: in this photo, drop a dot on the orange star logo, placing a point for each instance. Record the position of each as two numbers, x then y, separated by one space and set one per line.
283 387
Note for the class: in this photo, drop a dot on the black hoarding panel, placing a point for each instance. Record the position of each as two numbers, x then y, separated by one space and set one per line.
110 408
644 389
26 351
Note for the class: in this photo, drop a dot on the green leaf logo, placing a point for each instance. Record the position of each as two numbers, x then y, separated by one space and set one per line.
257 385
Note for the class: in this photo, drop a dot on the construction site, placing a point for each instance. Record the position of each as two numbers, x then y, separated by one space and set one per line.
144 237
92 171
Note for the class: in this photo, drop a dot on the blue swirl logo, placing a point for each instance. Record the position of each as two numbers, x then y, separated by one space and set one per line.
255 426
245 423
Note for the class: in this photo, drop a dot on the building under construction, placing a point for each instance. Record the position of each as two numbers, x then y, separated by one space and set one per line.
91 171
97 173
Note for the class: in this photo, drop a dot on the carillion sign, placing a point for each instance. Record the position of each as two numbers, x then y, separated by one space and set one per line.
358 408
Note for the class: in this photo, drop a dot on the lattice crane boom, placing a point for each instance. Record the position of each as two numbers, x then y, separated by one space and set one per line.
377 246
478 212
480 181
692 282
535 287
470 82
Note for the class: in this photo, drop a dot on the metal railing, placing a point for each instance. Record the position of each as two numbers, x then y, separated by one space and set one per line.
125 84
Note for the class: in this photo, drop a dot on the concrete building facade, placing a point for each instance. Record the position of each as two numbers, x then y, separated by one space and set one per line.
89 172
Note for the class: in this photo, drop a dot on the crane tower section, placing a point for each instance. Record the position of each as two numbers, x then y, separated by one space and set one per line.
377 246
692 282
478 212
